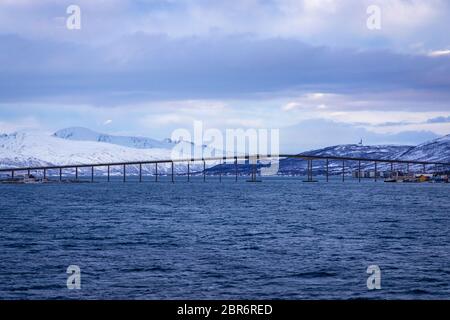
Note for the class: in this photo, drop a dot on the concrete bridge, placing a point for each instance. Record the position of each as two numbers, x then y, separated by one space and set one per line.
435 167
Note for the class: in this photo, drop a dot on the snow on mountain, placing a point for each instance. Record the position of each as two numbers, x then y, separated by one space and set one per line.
347 150
84 134
361 151
436 150
51 149
84 146
186 148
10 156
37 149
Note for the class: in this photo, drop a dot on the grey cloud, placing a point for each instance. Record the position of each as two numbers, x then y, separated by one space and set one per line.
439 120
405 123
142 66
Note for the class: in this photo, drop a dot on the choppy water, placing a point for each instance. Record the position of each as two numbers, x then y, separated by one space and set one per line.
279 239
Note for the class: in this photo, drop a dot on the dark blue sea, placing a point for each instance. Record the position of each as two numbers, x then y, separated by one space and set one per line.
276 239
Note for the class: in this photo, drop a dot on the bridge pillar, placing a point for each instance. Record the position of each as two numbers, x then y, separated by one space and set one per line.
343 170
253 172
309 169
156 171
92 174
124 173
172 174
204 171
236 169
327 170
140 172
359 171
376 171
108 169
309 172
60 174
188 171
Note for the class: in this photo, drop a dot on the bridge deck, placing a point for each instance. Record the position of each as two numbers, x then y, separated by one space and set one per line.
234 158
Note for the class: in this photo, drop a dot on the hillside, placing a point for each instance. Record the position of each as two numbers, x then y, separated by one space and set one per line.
38 149
435 150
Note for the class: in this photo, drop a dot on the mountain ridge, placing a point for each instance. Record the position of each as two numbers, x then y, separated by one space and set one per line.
85 134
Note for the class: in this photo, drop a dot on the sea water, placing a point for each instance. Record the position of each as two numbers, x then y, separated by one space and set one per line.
276 239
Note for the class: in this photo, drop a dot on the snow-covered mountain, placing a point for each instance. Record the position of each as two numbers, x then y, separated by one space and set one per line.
435 150
361 151
187 148
84 134
82 146
347 150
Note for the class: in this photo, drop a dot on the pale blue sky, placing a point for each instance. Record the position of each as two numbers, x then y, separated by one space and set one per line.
149 67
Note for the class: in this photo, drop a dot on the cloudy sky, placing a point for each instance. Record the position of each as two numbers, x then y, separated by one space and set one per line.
312 68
